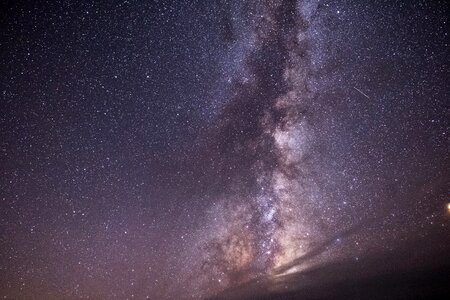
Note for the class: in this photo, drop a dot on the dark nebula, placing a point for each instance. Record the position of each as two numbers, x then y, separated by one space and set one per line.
224 149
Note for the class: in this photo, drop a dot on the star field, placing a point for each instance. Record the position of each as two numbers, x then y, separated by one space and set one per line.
195 149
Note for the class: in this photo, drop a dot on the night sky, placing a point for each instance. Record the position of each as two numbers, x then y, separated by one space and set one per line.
180 149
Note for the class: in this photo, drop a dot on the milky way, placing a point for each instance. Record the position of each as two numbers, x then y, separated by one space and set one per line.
264 229
225 149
